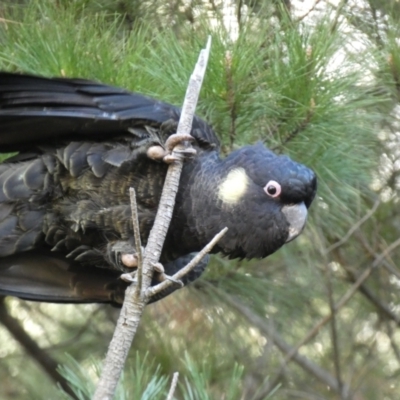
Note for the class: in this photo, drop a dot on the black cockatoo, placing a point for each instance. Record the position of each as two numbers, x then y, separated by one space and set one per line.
65 223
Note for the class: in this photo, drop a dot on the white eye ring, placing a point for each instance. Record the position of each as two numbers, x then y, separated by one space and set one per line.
273 189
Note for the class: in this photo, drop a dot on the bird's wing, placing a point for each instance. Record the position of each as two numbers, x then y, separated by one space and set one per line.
34 110
46 276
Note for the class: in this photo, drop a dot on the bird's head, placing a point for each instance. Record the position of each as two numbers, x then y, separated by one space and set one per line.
264 198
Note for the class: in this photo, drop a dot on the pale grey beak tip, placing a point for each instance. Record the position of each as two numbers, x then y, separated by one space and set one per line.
296 216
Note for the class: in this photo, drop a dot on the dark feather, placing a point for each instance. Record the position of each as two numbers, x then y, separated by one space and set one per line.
45 276
80 109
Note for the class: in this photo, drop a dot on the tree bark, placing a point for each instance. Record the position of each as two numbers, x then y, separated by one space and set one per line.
136 299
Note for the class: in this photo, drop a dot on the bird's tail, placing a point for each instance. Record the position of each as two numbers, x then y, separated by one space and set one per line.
45 276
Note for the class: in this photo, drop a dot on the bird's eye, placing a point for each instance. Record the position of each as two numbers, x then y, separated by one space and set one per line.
273 189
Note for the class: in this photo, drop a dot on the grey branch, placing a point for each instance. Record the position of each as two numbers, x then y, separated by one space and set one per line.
138 242
134 305
40 355
309 366
173 386
354 228
151 291
293 353
334 332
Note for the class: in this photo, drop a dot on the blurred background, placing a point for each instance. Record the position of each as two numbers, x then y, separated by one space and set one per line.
318 80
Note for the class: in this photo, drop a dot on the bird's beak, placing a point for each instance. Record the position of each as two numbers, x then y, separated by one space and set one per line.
296 216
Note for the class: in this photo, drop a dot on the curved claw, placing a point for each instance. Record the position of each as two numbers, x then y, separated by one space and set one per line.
178 155
159 269
171 153
121 255
127 278
170 158
60 245
176 139
187 152
88 255
78 251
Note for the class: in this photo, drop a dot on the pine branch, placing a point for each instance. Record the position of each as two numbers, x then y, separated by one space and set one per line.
381 306
334 332
299 19
336 307
354 228
291 352
321 374
48 364
134 305
153 290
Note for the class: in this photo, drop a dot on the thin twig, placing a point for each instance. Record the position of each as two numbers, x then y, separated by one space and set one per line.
379 41
338 13
83 329
354 228
321 374
395 348
48 364
308 12
299 128
173 386
9 21
230 90
382 307
138 242
335 344
316 328
133 306
153 290
239 13
193 90
389 267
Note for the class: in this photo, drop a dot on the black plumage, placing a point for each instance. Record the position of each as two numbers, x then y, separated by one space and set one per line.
64 204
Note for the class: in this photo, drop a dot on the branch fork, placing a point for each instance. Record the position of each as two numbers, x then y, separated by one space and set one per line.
137 296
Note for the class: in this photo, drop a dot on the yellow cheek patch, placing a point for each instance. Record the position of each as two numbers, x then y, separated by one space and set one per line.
234 186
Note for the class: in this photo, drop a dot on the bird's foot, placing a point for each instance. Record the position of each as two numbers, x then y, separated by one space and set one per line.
119 255
122 255
129 277
176 146
162 276
85 254
158 153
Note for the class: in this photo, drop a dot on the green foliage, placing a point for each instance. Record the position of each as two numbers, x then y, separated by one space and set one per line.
268 85
324 90
144 382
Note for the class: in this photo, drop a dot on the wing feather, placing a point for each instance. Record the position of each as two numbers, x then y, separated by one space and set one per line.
34 110
46 276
